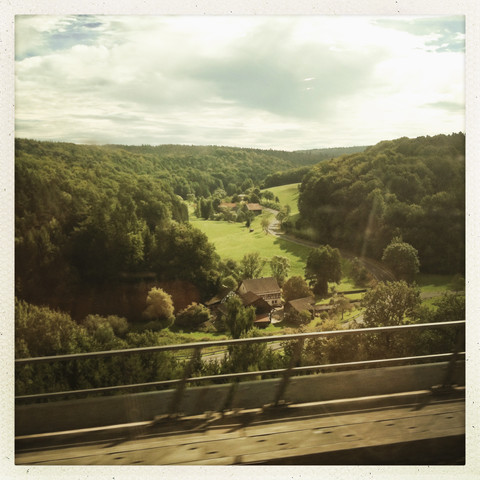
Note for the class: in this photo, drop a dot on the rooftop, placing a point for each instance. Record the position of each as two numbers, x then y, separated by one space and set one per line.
261 285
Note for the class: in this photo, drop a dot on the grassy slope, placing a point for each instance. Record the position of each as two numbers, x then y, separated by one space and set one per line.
288 195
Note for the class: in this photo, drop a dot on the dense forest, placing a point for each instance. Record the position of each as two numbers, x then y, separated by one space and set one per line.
408 188
87 217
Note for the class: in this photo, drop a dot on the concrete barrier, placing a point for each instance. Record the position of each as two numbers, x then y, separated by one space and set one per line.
130 408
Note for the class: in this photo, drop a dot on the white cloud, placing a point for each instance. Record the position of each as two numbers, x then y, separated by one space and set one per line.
271 82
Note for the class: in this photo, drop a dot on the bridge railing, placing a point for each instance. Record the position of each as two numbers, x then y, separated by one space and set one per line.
285 373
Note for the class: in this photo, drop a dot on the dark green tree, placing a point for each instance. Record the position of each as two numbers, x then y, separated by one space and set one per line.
450 307
206 208
238 319
298 319
390 304
249 218
249 357
359 273
323 266
192 316
184 252
402 259
295 287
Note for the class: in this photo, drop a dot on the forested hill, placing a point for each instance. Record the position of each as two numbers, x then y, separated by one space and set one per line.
200 170
414 188
86 215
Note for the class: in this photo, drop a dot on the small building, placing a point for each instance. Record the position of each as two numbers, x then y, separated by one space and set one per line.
227 205
215 303
299 305
267 288
263 309
307 303
262 320
251 299
256 208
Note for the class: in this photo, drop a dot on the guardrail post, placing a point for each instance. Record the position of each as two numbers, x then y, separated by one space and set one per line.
178 396
295 358
447 382
446 386
230 396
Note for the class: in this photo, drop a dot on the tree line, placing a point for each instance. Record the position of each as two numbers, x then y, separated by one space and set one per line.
295 175
200 170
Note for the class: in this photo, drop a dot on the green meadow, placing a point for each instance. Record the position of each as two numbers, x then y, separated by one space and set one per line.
234 240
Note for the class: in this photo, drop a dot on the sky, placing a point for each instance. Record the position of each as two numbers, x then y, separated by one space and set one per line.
279 82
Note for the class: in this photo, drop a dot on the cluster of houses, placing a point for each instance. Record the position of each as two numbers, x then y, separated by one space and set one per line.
265 295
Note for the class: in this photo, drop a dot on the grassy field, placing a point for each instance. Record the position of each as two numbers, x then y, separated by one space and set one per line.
234 240
288 195
434 283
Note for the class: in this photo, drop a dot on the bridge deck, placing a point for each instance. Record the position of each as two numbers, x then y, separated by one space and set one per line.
415 428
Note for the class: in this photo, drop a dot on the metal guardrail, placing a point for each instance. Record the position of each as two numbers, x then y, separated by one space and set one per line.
286 373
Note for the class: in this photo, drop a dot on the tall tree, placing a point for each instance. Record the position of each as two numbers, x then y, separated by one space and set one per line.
390 303
238 319
323 266
249 218
402 259
251 265
265 223
359 273
342 304
280 266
